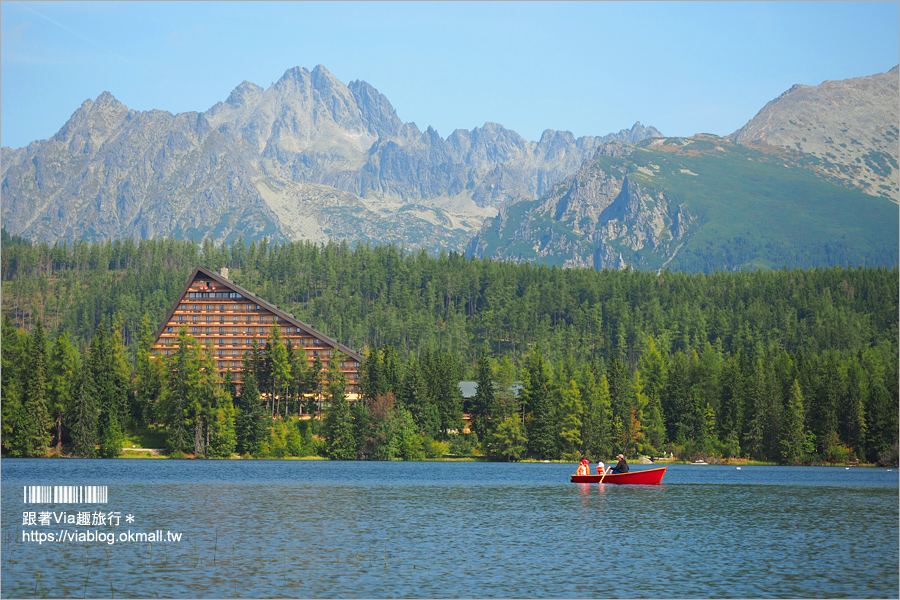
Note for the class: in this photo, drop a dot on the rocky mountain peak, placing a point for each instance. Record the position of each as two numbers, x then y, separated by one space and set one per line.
95 118
849 127
244 94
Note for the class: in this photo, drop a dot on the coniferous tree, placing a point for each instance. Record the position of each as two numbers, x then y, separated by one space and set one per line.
63 375
540 422
32 434
280 370
148 379
221 439
179 400
571 412
607 429
415 397
12 372
85 426
508 441
340 443
483 401
250 419
794 440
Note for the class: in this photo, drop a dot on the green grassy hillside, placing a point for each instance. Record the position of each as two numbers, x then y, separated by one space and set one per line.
745 210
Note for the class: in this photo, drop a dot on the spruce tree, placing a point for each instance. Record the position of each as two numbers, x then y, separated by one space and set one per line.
541 420
85 420
793 431
13 359
251 426
179 399
32 434
340 443
63 375
148 380
483 401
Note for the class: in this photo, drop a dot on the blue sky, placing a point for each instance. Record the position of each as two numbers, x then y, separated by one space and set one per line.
588 67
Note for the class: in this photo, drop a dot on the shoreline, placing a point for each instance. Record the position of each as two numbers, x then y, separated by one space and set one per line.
159 454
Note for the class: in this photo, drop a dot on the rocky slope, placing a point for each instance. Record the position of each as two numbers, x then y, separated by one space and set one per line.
847 130
307 158
773 194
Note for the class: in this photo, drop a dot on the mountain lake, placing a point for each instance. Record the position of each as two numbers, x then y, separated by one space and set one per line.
318 529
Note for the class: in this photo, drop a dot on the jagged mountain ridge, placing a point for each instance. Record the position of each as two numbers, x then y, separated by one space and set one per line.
307 158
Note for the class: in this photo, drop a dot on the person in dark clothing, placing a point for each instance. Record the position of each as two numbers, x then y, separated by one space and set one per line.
621 466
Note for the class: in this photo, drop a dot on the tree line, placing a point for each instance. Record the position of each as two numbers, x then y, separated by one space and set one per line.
790 366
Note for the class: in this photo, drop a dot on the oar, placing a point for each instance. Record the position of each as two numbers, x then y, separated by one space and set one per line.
602 477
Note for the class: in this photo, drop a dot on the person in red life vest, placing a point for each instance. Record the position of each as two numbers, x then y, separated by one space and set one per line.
583 468
601 468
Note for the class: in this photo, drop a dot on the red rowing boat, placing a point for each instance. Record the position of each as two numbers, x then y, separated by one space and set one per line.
645 477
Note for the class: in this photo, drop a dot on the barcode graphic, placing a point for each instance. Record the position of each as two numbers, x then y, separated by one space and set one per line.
66 494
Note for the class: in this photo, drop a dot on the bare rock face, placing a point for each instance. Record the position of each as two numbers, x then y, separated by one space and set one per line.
587 220
307 158
848 129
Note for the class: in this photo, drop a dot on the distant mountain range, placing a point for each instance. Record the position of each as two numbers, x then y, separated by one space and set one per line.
812 180
308 158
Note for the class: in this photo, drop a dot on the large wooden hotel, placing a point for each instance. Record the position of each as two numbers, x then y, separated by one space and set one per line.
216 310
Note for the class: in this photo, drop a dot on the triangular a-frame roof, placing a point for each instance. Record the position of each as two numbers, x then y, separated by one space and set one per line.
285 319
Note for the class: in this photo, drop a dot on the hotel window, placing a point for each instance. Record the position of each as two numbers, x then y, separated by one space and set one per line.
208 319
181 318
195 318
208 330
316 342
167 353
169 329
221 353
209 307
234 330
249 307
221 307
222 330
290 330
193 330
221 318
249 319
234 319
182 307
249 330
234 353
328 353
262 331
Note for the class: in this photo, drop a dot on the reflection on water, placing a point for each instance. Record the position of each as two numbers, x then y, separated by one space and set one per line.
451 530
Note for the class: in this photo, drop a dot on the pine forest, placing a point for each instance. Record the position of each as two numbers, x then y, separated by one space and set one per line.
785 366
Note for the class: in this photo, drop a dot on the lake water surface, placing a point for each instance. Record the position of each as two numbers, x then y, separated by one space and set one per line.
254 529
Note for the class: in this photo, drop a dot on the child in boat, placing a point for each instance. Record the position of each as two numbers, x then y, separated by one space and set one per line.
601 468
583 468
